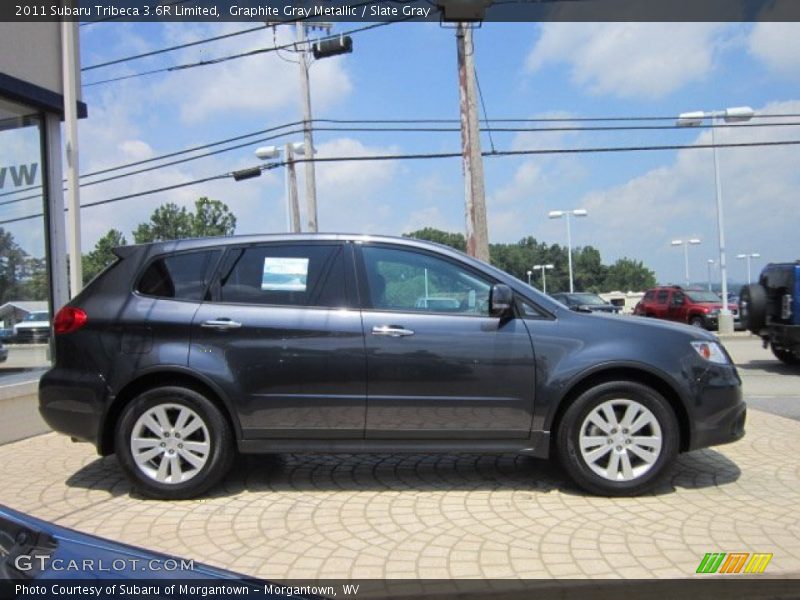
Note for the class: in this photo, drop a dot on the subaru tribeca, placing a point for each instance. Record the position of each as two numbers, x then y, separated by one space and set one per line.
184 353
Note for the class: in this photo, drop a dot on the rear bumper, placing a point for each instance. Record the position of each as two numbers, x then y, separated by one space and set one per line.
73 403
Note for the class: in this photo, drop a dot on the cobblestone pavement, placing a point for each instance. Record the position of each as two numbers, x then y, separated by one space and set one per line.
434 516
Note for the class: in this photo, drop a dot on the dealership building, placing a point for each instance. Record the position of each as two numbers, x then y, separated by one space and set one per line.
39 68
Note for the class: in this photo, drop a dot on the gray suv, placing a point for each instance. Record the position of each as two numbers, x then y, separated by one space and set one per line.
182 354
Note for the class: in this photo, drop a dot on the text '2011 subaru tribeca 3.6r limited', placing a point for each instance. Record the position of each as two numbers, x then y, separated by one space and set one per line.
183 353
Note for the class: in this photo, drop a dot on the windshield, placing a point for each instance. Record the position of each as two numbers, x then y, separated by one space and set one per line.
699 296
37 316
592 299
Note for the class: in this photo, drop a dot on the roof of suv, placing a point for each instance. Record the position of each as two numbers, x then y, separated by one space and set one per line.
189 243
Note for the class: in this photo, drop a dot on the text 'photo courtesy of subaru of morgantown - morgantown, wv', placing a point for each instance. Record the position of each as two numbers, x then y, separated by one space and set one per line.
183 354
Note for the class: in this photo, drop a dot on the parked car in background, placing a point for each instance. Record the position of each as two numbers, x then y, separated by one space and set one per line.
33 328
771 310
3 353
585 302
699 308
181 356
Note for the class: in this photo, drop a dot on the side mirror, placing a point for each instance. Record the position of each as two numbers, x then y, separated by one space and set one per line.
500 299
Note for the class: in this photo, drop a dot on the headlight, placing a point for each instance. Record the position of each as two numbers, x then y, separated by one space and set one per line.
711 351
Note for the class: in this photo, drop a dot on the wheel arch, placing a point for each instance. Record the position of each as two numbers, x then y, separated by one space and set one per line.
634 374
160 378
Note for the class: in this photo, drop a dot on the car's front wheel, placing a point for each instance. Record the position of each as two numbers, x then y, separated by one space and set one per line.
173 443
617 438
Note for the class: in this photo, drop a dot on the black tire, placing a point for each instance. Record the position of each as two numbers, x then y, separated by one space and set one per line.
753 307
697 321
785 355
214 434
576 415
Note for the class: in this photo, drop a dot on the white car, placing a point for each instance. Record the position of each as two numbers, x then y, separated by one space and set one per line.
33 328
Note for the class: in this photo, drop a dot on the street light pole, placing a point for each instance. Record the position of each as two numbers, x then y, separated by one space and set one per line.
290 179
529 277
710 264
557 214
685 244
694 119
748 257
544 275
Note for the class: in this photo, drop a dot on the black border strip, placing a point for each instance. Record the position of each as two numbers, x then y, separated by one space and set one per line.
36 96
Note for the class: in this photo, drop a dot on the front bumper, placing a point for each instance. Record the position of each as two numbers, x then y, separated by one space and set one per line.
718 412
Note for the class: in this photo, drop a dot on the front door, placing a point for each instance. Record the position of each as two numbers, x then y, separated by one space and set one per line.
283 339
438 365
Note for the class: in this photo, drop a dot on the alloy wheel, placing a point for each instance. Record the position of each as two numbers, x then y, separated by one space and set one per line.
620 440
170 443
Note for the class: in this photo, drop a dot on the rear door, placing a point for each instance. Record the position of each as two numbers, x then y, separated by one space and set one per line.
282 338
438 365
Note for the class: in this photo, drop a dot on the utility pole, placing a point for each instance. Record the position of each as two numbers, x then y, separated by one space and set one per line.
308 137
475 195
291 191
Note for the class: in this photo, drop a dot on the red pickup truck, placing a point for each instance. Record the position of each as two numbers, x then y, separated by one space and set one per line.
695 307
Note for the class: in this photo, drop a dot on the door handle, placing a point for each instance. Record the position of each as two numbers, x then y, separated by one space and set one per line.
221 324
391 331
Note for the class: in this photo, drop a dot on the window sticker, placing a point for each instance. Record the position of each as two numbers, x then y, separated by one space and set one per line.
284 274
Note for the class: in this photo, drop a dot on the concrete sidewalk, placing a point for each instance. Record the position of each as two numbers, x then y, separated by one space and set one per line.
438 516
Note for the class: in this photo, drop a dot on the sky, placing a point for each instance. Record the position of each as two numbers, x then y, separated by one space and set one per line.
637 202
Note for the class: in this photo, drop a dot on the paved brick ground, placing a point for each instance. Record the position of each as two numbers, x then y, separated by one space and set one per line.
438 516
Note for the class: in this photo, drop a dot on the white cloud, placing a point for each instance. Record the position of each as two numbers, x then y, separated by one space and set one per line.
642 60
258 84
759 187
351 196
778 46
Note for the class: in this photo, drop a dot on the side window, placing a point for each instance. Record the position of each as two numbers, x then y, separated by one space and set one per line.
661 298
414 281
285 275
649 296
181 276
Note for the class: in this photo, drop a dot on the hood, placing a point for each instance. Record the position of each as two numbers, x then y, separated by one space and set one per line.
635 326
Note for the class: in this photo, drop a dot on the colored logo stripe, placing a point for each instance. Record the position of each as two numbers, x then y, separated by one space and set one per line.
758 563
734 563
711 562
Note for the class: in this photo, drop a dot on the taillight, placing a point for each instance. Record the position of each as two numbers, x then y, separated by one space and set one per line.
69 319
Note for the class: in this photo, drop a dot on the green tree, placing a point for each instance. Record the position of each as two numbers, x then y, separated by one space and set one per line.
12 267
170 222
454 240
589 273
629 275
102 255
211 218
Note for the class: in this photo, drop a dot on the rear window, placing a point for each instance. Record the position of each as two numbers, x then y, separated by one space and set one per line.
285 275
648 297
181 276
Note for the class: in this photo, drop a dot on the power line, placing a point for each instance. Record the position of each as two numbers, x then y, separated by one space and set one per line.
351 130
172 48
437 155
214 61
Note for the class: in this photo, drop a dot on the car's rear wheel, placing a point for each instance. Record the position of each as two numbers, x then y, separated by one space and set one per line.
173 443
753 307
617 438
785 355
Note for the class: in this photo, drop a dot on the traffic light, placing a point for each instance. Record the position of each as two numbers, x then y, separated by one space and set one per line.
332 47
